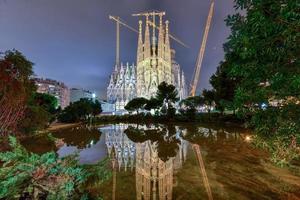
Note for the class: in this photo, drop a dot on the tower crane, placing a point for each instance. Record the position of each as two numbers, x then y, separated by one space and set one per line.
119 22
194 84
200 56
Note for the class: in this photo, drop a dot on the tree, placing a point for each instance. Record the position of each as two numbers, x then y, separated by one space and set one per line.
263 52
209 97
40 111
154 104
190 104
167 95
80 110
136 104
224 87
15 89
35 118
46 101
97 109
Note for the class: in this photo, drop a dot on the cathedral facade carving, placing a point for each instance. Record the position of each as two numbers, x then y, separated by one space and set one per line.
122 85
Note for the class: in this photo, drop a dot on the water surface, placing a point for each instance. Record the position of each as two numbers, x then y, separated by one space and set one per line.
178 162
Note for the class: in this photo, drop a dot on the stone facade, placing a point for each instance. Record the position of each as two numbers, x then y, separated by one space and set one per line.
155 64
122 86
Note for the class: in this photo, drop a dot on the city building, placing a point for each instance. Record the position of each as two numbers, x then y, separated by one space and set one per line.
155 64
107 108
55 88
77 93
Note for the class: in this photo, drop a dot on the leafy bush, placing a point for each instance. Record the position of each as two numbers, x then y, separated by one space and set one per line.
35 176
282 149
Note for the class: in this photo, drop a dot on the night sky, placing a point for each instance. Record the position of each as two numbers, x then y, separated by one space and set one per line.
73 41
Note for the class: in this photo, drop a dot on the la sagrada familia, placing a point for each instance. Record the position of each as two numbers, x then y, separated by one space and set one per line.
155 64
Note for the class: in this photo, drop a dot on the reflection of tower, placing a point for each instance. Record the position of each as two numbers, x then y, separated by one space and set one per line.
153 176
113 161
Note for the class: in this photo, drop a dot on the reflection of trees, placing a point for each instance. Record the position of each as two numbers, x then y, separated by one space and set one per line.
211 134
81 136
164 138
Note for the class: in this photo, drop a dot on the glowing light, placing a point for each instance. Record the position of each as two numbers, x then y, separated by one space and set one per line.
264 106
248 138
94 95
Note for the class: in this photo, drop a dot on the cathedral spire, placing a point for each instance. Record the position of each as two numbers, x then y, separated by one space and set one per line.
160 37
153 36
167 43
147 52
140 43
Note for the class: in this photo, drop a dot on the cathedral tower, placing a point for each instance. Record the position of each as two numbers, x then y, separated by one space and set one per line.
153 56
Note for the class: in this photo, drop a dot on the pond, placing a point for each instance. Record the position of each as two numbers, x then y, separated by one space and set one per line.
177 161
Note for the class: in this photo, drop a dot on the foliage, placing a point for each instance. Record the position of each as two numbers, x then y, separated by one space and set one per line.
39 112
136 104
224 86
46 101
263 54
188 106
35 118
166 93
38 175
209 98
15 89
154 104
167 96
282 152
263 51
83 109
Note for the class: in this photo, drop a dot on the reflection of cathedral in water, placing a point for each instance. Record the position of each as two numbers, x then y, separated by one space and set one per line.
124 149
154 177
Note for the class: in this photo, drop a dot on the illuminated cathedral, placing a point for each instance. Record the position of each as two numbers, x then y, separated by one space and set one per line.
122 86
155 64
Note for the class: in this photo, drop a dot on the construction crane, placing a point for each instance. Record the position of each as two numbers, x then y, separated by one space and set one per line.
198 154
117 40
200 56
194 84
119 22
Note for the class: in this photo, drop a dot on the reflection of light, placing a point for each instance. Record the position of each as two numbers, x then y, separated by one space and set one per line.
94 95
92 142
248 138
264 106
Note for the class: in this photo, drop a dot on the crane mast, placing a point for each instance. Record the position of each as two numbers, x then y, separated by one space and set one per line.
194 84
200 56
118 22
